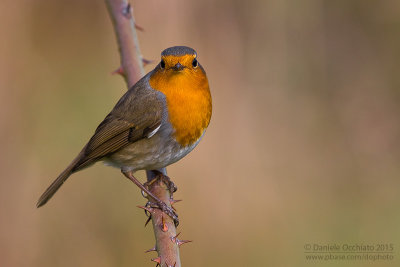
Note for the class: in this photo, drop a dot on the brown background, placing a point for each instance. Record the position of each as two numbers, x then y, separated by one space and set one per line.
303 146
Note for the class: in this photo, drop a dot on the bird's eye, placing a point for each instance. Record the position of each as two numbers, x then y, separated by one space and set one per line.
162 64
195 63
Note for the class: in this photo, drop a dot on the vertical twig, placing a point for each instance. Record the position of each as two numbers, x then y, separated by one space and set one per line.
167 243
124 26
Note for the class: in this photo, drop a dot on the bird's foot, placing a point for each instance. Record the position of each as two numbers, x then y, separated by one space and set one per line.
164 208
157 202
160 177
172 188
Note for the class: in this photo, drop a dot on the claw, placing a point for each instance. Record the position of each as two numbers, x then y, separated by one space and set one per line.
164 208
169 211
148 220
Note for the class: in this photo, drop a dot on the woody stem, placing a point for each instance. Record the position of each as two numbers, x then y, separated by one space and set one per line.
123 21
124 26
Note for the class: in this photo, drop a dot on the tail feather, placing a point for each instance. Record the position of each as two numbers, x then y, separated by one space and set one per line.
52 189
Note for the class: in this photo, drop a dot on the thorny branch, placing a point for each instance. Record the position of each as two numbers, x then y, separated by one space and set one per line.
167 242
124 26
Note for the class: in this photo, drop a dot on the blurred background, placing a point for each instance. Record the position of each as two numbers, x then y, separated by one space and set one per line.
303 147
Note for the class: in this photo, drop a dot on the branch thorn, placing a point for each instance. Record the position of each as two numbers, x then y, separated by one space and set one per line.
147 61
158 260
174 237
178 241
152 249
139 28
164 226
173 201
146 208
181 242
119 71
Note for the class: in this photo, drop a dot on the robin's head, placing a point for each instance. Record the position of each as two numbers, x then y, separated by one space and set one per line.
179 59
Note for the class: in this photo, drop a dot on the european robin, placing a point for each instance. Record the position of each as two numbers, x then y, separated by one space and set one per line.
156 122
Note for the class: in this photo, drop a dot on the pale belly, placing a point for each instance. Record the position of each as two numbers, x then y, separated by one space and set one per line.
152 153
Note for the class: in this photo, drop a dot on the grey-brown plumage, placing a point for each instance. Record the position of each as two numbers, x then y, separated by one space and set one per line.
137 113
178 51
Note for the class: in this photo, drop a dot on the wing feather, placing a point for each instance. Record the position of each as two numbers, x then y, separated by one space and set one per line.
138 113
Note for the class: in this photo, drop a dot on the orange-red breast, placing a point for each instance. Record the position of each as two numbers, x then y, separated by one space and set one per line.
156 122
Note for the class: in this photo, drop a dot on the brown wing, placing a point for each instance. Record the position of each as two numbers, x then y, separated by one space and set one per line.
137 113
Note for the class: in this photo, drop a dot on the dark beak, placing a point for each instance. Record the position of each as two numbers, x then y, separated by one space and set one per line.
178 67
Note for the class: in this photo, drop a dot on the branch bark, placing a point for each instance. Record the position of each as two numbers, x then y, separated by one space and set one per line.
167 243
124 26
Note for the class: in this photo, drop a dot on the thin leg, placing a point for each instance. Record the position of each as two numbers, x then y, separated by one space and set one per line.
166 209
